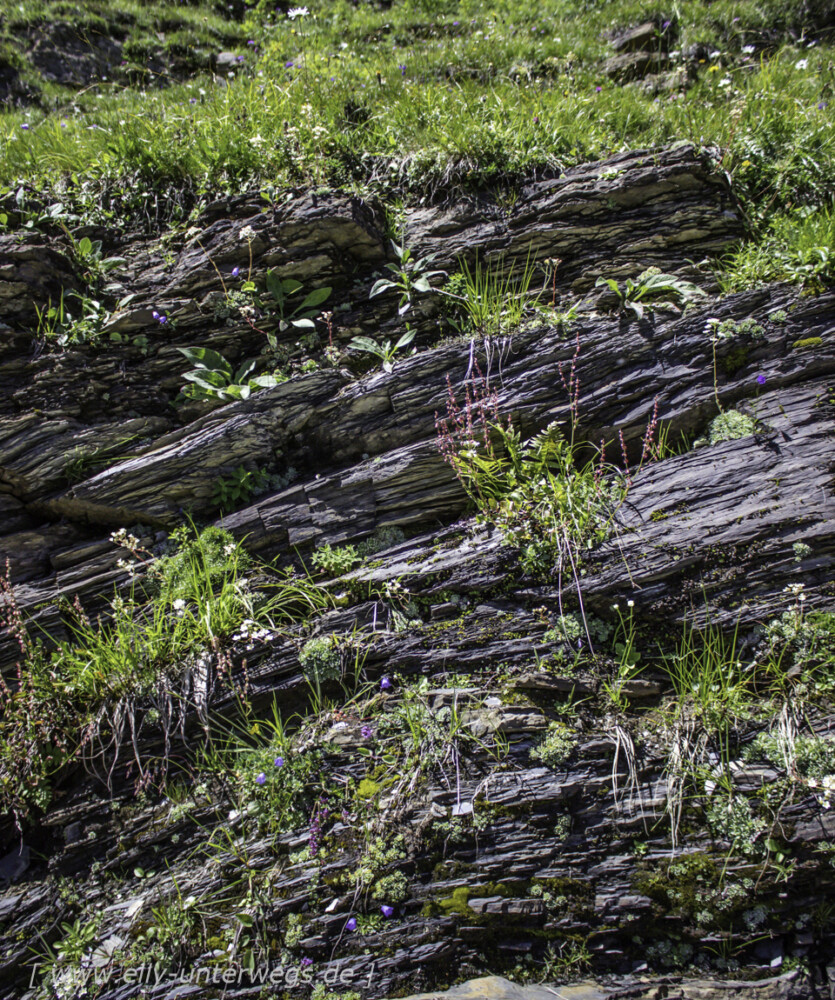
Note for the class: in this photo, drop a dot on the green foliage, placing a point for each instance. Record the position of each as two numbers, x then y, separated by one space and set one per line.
811 756
202 562
410 278
545 499
651 287
297 314
321 659
89 254
239 487
213 378
798 247
385 352
494 297
730 425
56 324
335 562
557 746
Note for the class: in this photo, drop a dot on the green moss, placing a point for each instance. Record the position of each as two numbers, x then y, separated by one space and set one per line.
806 342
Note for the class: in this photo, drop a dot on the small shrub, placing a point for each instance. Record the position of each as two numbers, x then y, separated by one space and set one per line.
321 659
557 746
729 426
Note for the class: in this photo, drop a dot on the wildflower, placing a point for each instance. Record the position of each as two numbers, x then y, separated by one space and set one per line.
386 910
630 604
821 105
163 319
295 12
288 65
761 380
279 762
385 683
25 127
802 64
229 547
367 732
179 605
665 25
261 779
155 314
192 100
251 41
598 89
306 961
749 49
247 233
351 924
536 119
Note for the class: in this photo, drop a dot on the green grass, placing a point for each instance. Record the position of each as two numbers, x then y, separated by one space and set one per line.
425 99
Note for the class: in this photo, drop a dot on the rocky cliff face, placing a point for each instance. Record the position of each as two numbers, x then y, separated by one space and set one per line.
481 773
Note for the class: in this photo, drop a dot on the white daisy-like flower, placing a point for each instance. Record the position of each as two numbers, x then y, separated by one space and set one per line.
295 12
802 64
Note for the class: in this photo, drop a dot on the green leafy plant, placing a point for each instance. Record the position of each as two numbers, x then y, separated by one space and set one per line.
91 257
385 352
410 278
296 315
214 379
651 286
60 326
240 486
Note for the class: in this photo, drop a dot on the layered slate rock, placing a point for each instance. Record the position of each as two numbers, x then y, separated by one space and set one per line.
505 856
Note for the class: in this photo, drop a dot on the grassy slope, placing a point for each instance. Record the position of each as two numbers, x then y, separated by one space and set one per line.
428 95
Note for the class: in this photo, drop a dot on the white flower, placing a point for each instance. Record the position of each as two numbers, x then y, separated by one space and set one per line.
247 233
630 604
801 64
179 606
749 49
228 548
725 81
295 12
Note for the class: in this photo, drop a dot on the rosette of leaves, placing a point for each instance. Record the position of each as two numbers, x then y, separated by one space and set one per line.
651 286
213 378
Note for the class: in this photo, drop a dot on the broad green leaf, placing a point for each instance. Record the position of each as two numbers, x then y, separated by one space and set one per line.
407 338
207 358
85 246
316 298
383 285
366 344
244 370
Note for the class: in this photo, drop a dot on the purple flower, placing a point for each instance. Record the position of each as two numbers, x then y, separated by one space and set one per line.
821 105
386 910
261 779
402 69
598 89
351 924
155 314
536 119
251 41
665 25
455 24
64 124
192 100
305 962
279 762
287 65
367 732
240 58
163 320
385 684
235 272
761 380
25 127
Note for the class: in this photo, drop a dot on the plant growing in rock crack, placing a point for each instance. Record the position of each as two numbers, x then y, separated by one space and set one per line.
213 378
90 256
292 315
651 287
56 324
385 352
494 297
239 487
410 277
